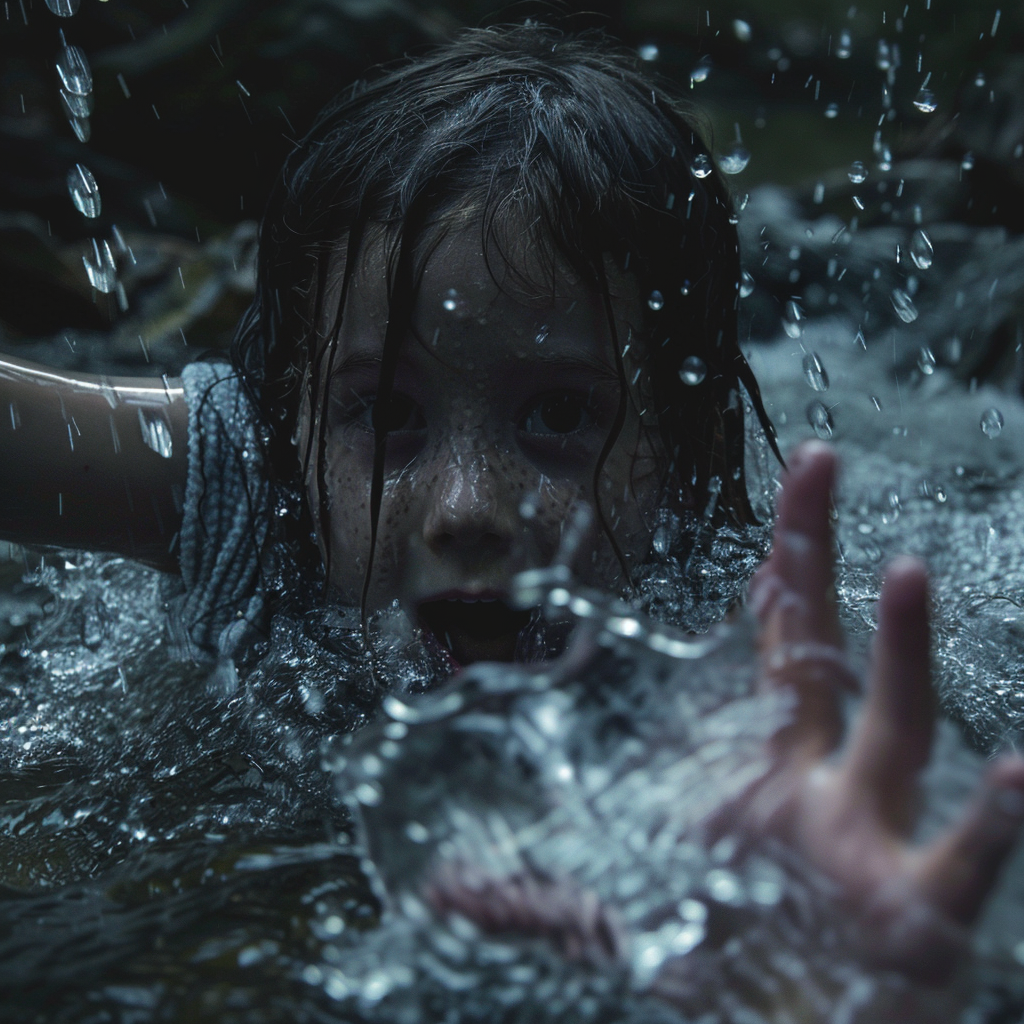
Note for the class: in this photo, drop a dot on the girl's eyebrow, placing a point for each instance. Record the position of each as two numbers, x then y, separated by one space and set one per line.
357 361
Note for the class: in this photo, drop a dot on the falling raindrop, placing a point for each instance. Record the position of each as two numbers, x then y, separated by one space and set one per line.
84 192
815 372
656 301
100 267
792 320
953 350
701 165
701 71
904 305
991 422
845 46
542 334
883 56
75 73
925 101
967 163
861 340
156 433
926 361
64 8
81 127
648 51
75 106
876 402
734 160
742 30
832 110
921 250
694 371
746 284
857 172
820 419
451 301
979 80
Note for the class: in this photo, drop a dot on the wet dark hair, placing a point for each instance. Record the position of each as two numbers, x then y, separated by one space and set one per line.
562 144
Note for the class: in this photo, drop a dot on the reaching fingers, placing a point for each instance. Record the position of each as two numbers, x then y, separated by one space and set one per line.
958 871
892 740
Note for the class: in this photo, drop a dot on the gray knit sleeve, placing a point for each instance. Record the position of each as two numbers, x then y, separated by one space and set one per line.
225 518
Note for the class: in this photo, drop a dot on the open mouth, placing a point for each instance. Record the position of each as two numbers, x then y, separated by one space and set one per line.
474 629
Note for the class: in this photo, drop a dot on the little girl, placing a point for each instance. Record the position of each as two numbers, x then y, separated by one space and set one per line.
494 284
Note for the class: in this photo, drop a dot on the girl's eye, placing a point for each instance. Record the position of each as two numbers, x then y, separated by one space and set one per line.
403 413
562 412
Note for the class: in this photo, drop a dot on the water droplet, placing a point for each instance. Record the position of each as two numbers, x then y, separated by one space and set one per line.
926 361
742 30
648 51
904 305
81 127
921 250
925 101
861 340
832 111
883 56
75 73
991 422
815 372
746 284
967 163
953 350
693 371
64 8
84 192
543 334
75 106
701 71
451 301
792 320
845 45
734 160
156 433
857 172
100 267
701 165
820 419
979 80
876 402
656 300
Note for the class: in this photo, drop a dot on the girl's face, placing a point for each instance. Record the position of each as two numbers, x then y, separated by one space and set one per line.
502 404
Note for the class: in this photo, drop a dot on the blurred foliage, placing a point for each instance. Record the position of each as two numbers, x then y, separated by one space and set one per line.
197 102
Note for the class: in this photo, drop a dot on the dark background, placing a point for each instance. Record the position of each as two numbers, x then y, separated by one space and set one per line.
215 90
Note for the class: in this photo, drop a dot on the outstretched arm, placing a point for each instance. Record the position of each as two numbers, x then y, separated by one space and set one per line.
92 462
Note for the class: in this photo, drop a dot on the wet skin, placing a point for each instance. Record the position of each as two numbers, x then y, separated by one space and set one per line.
502 403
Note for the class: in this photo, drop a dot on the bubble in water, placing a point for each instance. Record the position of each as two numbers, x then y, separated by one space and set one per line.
904 305
815 372
81 127
925 101
991 422
84 192
701 71
451 301
967 163
656 300
845 45
100 267
734 160
926 361
543 334
921 250
75 73
857 172
832 110
64 8
820 419
742 30
75 106
693 371
746 284
701 165
648 51
156 433
792 321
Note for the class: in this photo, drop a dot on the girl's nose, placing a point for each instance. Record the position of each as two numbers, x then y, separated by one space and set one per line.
466 509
